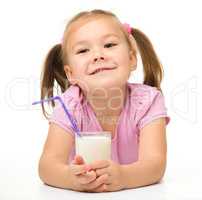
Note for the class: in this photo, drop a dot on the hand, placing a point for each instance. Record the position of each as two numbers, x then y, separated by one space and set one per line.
83 178
109 171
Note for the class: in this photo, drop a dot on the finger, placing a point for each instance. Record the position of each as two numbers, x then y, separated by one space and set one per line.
98 164
99 181
73 162
86 178
101 188
100 172
78 169
78 160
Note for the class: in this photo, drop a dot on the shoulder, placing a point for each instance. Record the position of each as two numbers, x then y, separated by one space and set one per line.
73 92
72 98
147 103
143 95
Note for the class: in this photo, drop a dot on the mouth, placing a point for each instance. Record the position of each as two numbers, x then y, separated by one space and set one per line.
101 70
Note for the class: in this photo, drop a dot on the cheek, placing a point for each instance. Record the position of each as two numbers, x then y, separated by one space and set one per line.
122 55
78 66
124 59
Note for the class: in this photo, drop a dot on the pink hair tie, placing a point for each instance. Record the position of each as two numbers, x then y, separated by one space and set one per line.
127 27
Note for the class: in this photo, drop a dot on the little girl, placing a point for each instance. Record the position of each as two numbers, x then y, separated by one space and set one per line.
92 66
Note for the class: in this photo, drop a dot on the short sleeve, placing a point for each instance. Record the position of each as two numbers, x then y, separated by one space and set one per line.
60 118
154 110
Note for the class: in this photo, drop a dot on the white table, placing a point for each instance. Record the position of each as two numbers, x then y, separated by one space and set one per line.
20 181
20 149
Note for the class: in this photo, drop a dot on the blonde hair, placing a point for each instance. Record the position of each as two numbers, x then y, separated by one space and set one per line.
53 70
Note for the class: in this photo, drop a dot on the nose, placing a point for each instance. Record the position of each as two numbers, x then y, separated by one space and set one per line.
98 56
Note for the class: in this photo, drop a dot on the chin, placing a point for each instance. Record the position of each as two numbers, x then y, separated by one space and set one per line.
106 83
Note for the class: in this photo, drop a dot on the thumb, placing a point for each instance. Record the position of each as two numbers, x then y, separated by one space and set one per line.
78 160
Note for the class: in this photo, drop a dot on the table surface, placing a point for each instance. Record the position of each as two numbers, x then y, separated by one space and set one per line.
19 155
22 182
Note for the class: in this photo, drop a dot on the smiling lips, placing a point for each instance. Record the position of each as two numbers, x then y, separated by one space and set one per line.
101 69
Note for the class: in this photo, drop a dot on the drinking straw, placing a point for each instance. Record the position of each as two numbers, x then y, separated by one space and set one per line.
71 119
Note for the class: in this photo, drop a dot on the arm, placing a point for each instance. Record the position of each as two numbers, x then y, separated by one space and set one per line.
53 168
151 163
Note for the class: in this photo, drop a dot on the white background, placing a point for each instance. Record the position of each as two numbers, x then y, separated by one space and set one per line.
29 28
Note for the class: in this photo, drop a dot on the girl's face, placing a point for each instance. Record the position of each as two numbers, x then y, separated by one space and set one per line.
98 54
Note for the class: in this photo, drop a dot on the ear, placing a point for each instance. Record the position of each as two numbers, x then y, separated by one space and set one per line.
133 60
133 53
69 75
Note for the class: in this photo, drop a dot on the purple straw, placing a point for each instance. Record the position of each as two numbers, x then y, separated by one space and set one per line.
71 119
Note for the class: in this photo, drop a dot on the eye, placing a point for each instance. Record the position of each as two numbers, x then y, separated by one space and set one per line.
108 45
82 51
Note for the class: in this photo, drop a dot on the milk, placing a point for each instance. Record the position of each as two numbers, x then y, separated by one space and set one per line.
94 146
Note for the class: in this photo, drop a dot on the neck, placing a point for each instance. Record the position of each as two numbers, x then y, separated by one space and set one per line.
107 102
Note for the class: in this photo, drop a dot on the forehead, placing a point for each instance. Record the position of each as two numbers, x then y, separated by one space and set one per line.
94 27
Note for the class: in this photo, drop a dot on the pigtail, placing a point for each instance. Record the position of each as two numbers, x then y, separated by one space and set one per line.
153 71
53 71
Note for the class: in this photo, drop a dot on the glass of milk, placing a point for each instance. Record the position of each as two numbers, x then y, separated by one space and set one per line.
93 146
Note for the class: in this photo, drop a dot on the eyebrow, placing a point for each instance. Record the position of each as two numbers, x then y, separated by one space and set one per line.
86 41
